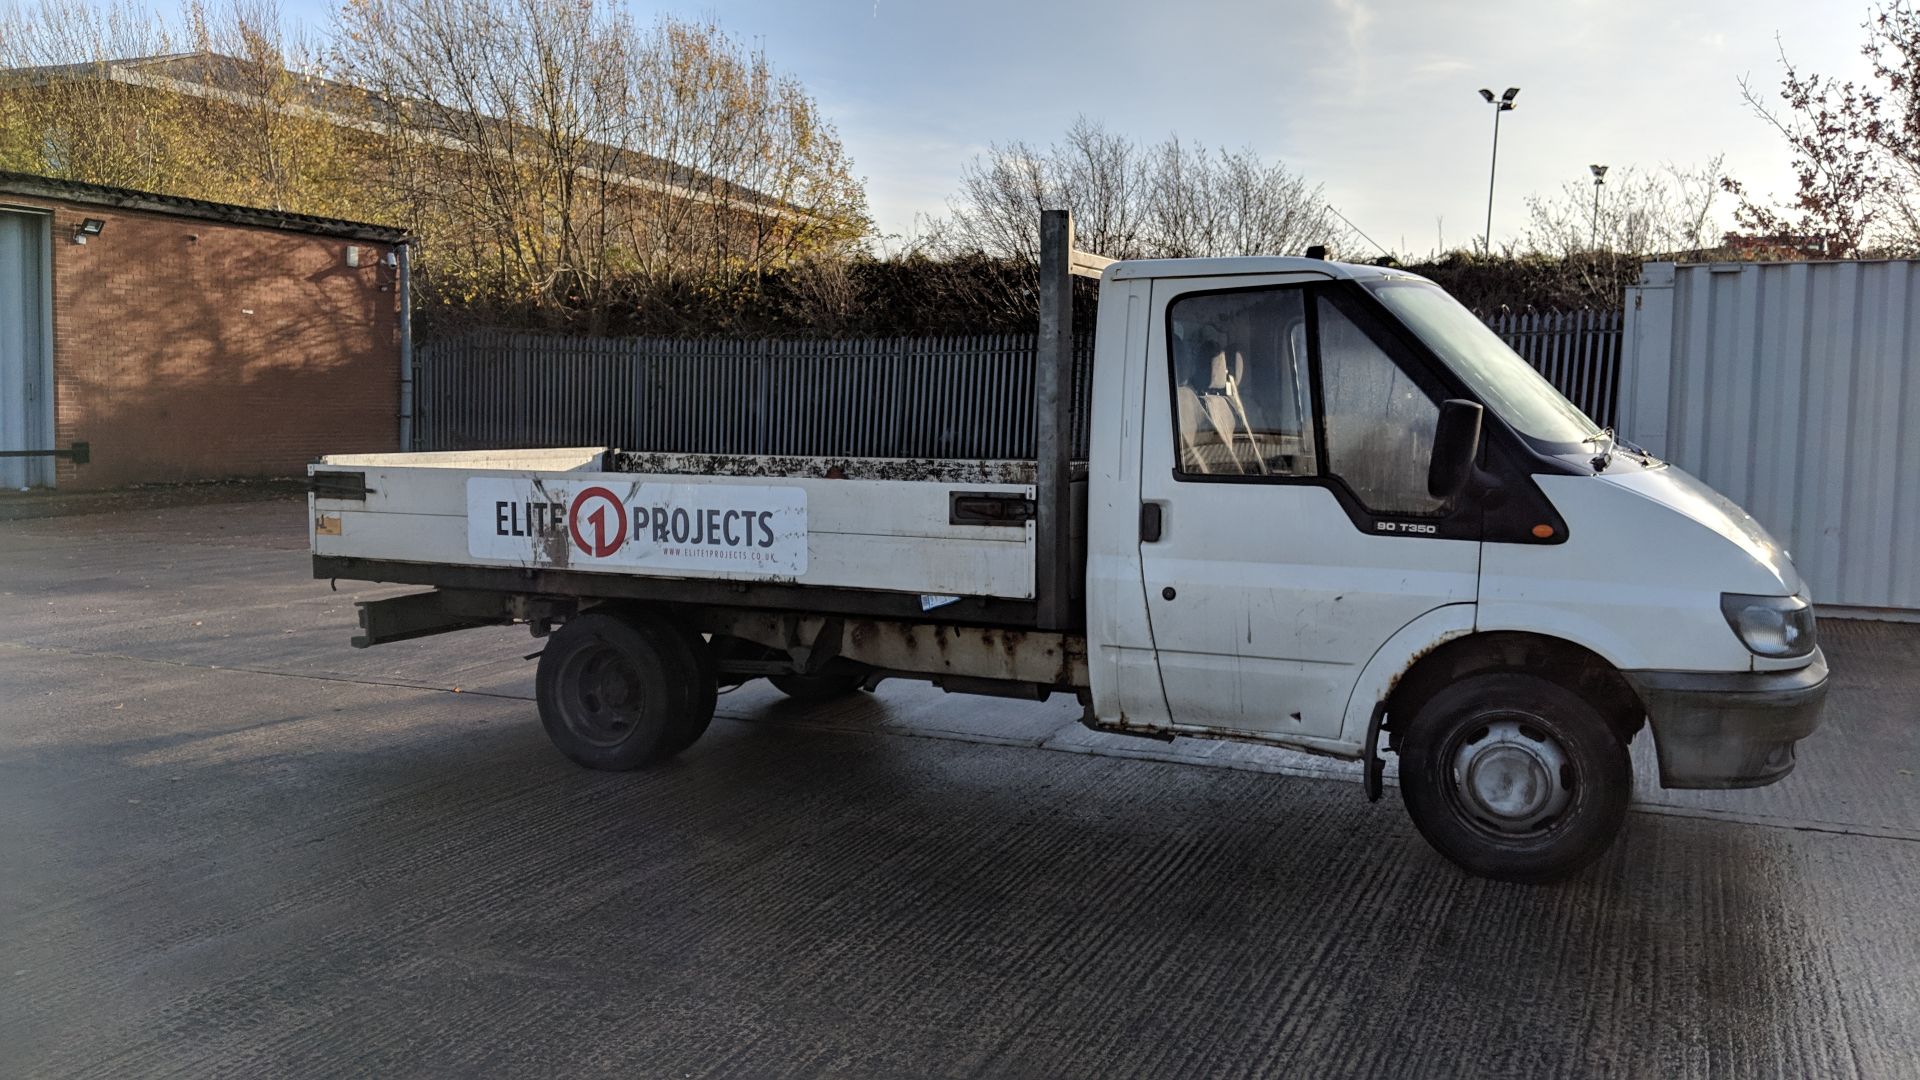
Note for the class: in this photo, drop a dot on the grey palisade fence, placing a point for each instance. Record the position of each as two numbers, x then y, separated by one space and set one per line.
945 397
1578 351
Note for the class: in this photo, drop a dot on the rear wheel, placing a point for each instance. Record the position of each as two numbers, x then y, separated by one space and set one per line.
618 692
1514 777
695 723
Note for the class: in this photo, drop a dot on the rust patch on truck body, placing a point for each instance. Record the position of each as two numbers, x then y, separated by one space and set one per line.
552 547
1039 657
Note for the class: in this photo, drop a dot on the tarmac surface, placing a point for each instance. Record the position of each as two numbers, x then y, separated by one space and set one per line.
230 845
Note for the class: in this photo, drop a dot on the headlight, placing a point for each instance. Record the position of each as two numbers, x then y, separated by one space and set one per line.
1779 626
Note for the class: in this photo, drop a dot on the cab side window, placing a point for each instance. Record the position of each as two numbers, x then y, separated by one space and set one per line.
1241 394
1379 423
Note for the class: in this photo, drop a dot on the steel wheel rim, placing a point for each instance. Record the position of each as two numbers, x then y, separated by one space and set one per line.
1510 776
600 695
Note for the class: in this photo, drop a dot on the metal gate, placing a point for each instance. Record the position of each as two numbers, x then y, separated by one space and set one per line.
26 360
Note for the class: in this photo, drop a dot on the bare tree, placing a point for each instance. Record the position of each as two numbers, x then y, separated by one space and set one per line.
1637 213
568 159
998 208
1201 202
1096 174
552 156
1102 180
493 121
1133 201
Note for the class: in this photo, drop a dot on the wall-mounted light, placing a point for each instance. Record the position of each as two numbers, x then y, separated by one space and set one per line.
92 226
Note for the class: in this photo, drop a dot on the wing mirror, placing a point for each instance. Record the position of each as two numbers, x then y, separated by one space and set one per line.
1456 443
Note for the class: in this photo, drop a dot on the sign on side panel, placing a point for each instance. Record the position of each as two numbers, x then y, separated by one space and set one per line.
591 525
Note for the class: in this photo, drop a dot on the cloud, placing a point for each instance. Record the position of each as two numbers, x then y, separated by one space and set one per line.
1448 65
1358 17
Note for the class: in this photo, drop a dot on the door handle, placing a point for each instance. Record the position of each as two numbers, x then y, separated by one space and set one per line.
1151 520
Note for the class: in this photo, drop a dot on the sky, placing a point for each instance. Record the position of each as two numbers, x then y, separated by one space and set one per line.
1374 99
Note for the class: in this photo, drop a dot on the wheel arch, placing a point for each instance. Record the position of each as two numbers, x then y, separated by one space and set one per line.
1575 667
1391 661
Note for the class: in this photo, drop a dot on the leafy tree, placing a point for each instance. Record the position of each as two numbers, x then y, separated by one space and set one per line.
555 160
568 161
1856 147
164 125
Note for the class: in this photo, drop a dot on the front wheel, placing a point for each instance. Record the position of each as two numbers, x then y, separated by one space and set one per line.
1514 777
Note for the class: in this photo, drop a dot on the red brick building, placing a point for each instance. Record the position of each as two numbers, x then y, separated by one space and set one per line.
187 340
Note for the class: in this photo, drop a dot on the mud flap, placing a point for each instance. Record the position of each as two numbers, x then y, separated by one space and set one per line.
1373 767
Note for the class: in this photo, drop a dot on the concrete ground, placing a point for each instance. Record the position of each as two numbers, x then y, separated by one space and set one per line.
232 846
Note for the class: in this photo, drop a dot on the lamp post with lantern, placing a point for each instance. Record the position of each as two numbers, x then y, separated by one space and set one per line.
1599 177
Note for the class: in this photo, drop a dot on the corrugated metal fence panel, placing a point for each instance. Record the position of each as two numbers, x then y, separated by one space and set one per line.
1792 388
949 397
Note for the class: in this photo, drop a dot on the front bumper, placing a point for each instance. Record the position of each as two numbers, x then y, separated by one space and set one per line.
1730 729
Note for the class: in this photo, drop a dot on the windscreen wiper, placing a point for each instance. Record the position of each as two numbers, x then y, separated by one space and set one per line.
1646 456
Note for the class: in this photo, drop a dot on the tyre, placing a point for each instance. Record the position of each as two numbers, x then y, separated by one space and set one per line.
618 692
1513 777
694 724
826 686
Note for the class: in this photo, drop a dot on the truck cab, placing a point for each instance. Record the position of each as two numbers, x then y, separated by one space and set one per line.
1325 501
1322 507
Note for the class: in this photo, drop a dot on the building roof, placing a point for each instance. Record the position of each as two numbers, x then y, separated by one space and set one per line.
28 185
215 75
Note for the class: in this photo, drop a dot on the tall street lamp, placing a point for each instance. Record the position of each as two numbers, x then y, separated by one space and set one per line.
1599 177
1503 103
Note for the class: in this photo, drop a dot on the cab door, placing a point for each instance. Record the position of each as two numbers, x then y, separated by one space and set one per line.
1288 436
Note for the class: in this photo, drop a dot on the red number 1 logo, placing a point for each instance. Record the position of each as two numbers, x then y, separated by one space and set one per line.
605 503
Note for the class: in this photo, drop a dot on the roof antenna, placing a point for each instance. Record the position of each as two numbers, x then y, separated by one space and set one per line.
1317 251
1356 228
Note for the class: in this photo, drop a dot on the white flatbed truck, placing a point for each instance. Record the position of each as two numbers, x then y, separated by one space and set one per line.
1323 507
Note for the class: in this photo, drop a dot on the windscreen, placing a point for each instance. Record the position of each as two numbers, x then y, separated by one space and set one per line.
1505 383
